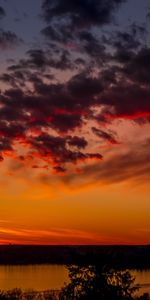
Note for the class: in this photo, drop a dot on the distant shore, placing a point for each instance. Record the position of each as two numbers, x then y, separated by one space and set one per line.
131 257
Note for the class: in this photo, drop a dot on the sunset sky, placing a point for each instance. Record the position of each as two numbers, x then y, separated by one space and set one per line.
75 122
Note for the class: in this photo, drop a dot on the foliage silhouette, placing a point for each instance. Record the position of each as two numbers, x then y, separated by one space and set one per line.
98 282
18 294
122 290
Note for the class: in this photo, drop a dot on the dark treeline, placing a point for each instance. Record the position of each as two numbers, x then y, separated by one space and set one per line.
18 294
124 257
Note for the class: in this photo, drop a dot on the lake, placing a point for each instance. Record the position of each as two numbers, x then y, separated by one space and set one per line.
43 277
37 277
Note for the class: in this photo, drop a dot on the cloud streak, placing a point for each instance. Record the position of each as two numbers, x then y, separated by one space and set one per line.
53 236
122 166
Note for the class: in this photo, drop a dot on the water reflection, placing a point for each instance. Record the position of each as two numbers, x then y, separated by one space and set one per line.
38 277
43 277
142 278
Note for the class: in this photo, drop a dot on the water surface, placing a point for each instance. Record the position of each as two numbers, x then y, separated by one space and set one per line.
142 278
43 277
37 277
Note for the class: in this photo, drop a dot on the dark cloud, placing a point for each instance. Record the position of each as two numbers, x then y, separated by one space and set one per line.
64 108
5 144
13 130
138 66
93 47
126 100
78 142
66 121
148 14
8 40
132 164
2 12
30 123
105 135
71 25
37 58
79 79
59 169
81 13
130 39
57 34
54 148
123 55
42 60
63 62
84 86
84 41
127 44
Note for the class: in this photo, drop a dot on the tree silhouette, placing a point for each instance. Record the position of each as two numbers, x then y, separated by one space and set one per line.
98 283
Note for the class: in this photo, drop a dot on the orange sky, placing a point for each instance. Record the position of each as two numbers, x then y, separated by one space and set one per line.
74 122
115 214
89 207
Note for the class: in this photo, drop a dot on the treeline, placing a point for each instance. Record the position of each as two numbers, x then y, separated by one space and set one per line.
18 294
127 257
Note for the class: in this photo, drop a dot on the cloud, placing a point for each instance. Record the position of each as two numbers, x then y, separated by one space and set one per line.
125 100
56 149
51 118
105 135
137 67
131 164
73 26
81 13
2 13
51 236
131 38
39 60
29 126
82 85
8 40
78 142
58 101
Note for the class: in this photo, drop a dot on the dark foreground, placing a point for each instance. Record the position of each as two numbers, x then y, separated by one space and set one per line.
127 257
95 272
17 294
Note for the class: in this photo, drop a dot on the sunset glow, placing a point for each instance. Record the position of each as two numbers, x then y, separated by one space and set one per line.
74 122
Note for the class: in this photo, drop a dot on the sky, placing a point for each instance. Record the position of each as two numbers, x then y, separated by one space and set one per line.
74 122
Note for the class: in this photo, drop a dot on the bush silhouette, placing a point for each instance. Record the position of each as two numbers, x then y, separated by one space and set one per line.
97 282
